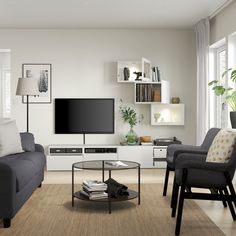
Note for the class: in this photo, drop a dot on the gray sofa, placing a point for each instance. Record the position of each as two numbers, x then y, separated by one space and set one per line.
20 175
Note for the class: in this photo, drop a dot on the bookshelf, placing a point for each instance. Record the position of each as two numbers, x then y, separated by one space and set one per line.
152 92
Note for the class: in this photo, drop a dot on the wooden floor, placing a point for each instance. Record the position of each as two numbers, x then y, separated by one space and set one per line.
219 215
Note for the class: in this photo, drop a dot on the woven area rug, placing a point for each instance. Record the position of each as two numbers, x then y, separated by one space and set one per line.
49 212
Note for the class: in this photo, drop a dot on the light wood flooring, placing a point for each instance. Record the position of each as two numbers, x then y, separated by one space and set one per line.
215 210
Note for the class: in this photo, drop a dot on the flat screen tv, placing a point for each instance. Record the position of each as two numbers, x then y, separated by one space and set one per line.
84 115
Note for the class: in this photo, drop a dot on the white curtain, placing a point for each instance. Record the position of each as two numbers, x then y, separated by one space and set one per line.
202 31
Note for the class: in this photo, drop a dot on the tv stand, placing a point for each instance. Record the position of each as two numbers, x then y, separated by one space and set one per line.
84 139
61 157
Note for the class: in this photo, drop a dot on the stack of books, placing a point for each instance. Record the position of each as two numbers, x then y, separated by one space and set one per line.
94 189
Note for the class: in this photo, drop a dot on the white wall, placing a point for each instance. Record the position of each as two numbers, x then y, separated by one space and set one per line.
223 24
84 65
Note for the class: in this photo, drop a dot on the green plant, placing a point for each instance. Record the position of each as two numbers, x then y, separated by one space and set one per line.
228 92
129 115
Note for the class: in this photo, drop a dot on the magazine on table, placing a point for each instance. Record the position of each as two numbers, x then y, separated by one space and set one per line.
91 183
116 163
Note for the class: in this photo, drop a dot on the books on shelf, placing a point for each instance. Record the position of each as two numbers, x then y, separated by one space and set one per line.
148 93
94 189
156 74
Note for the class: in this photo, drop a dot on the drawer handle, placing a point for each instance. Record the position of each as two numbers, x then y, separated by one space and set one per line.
58 150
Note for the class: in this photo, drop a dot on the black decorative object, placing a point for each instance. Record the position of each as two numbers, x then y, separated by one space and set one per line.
138 74
233 119
126 73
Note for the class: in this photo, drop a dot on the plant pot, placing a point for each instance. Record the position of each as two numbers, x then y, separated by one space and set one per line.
131 137
233 119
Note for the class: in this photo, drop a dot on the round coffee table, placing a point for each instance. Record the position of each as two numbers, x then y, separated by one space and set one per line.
106 165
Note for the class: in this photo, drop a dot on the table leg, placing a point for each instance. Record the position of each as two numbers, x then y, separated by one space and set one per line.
102 171
109 193
139 185
72 186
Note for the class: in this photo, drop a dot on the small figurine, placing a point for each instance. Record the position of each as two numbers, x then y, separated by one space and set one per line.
138 74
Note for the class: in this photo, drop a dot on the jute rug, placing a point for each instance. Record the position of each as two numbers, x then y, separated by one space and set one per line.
49 212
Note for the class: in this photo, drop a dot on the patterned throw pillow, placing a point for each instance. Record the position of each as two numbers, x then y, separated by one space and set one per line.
222 146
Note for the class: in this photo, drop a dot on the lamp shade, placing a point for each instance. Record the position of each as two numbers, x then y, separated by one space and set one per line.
27 87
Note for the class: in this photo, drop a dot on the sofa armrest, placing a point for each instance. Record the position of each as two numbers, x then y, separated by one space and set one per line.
7 191
39 148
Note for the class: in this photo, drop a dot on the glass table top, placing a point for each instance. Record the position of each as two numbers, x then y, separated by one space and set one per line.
106 164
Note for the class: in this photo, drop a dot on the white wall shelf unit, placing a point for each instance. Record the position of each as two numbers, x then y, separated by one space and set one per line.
167 114
143 66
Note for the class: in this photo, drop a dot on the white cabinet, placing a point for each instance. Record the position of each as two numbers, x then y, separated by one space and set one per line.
131 71
147 156
159 156
152 92
140 154
163 114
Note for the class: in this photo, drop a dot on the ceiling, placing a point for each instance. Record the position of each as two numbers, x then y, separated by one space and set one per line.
105 13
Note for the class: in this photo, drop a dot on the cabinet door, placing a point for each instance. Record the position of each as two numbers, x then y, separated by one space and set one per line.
99 156
140 154
165 91
62 162
146 70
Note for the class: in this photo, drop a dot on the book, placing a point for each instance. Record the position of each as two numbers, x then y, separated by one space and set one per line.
91 183
98 196
146 143
94 189
92 196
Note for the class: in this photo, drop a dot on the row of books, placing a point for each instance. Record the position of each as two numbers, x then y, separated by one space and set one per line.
94 189
156 74
147 93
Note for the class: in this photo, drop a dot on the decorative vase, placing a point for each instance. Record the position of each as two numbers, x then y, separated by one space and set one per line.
126 73
233 119
175 100
131 137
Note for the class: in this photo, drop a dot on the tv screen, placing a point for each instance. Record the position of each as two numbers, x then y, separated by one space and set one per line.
84 116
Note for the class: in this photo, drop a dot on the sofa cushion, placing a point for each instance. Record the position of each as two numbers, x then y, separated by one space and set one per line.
10 141
27 142
26 165
222 146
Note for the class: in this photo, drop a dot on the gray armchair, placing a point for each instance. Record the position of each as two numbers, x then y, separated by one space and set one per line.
174 150
192 170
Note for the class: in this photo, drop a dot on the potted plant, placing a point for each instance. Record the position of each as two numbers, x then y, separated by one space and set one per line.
228 93
130 116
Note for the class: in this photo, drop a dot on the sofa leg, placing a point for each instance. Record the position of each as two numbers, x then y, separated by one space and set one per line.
40 185
6 223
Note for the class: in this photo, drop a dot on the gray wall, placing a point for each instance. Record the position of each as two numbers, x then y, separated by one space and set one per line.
84 65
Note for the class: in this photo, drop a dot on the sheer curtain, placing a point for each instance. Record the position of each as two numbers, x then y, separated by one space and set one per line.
202 31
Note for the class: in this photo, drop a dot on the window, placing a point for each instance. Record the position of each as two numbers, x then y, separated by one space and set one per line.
5 83
217 65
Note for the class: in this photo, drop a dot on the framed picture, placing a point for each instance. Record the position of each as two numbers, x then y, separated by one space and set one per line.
43 74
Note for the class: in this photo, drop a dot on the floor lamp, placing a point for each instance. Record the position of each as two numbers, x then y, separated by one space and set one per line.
27 87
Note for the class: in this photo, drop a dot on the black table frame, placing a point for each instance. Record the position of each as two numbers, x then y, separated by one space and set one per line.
103 169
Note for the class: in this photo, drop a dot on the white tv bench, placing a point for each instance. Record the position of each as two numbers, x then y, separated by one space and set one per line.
61 157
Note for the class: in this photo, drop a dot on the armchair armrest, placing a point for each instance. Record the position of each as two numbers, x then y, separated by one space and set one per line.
190 150
39 148
189 162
